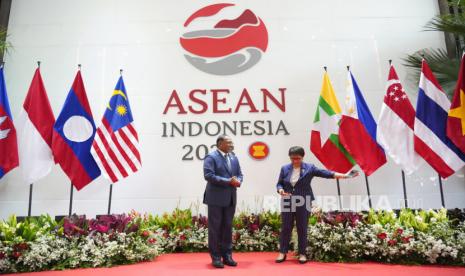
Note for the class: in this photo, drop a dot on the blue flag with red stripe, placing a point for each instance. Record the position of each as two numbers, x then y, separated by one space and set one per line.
73 134
8 142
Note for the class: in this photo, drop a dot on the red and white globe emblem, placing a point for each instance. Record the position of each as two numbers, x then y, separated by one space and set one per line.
222 39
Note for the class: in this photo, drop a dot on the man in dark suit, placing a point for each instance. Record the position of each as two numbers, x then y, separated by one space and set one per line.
223 173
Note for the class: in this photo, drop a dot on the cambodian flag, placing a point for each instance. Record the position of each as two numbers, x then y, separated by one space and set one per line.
8 143
357 130
73 135
431 141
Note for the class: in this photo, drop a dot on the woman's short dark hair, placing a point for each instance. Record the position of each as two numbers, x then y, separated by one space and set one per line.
296 150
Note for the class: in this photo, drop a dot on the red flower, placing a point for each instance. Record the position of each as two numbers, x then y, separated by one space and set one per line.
405 239
399 231
183 237
339 218
23 246
254 227
152 240
2 255
16 254
392 242
145 234
382 236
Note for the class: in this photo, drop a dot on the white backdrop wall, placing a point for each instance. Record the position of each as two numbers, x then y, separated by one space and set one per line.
142 37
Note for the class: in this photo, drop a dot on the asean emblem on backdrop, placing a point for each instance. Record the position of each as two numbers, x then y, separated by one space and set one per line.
226 46
259 150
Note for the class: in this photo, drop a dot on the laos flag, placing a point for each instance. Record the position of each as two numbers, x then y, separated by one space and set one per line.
8 143
73 134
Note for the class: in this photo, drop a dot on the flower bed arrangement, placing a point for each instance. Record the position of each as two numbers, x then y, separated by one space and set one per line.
407 236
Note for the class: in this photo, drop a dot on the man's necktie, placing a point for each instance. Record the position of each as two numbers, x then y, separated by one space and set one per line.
228 161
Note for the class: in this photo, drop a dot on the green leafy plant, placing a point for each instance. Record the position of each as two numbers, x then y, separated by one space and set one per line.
444 64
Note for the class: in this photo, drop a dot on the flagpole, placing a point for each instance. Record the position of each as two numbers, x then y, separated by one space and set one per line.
405 189
339 194
30 200
368 191
109 198
443 204
71 200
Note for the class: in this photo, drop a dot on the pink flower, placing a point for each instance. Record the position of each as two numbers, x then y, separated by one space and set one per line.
405 239
145 234
2 255
102 228
382 236
152 240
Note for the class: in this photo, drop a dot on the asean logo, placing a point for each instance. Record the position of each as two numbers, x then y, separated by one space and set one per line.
259 150
222 46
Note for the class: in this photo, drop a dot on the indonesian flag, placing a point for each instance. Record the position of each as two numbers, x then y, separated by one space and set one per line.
395 125
35 131
456 118
357 130
324 141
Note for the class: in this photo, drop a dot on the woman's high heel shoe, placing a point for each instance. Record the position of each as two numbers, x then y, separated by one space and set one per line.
280 260
302 259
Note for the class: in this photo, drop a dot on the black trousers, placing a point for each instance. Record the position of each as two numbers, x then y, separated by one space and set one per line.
300 216
220 230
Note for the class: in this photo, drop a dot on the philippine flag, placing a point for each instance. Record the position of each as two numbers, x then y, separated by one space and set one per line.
431 141
73 135
357 130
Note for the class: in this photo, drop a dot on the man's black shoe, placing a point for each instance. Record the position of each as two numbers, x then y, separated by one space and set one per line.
216 262
228 260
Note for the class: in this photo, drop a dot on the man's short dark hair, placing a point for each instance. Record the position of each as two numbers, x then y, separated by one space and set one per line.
296 150
221 138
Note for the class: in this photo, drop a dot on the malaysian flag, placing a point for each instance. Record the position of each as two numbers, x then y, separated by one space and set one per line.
115 146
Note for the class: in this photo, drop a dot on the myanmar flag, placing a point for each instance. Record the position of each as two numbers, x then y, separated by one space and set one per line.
324 141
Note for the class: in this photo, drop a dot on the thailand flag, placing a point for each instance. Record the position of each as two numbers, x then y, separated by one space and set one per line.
357 130
8 144
73 135
431 141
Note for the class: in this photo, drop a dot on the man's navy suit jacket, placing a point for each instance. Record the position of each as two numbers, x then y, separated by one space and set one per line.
219 191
